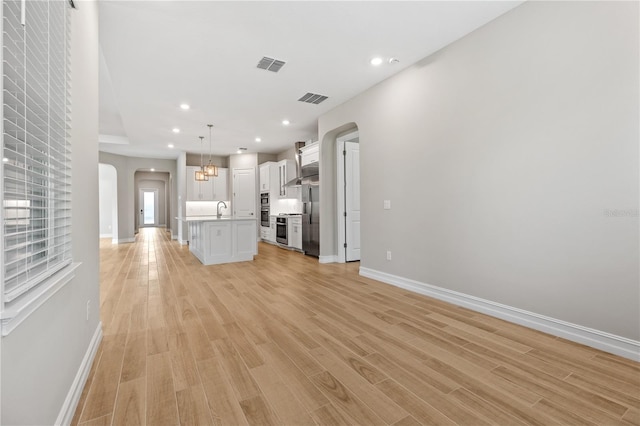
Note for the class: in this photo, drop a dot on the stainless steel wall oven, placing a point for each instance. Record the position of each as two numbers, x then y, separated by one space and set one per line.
264 210
281 230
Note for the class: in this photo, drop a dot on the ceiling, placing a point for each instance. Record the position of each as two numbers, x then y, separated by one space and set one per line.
156 55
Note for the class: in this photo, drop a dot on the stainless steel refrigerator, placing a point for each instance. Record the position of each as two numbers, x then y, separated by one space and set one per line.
310 187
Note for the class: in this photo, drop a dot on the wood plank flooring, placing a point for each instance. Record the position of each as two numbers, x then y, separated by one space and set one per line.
284 340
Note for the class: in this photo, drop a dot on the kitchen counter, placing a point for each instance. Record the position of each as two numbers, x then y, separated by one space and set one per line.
212 218
215 240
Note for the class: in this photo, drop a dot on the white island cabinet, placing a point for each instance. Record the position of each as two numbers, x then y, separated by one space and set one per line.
222 240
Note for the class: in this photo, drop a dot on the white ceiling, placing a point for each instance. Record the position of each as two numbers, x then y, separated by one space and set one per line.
156 55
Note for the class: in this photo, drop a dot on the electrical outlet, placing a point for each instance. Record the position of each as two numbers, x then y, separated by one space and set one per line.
88 308
387 204
388 254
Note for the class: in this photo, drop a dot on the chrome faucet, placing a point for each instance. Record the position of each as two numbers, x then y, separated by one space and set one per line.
218 213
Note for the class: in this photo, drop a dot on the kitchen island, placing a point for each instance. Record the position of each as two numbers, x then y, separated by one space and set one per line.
215 240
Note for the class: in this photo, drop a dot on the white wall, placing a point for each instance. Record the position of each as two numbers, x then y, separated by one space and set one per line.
108 199
181 184
194 160
126 168
43 355
243 161
501 155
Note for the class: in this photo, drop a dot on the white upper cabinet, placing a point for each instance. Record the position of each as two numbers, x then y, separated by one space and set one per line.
286 172
214 189
220 185
310 154
194 188
265 176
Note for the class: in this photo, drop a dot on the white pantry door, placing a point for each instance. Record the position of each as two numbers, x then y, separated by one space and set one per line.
352 200
244 192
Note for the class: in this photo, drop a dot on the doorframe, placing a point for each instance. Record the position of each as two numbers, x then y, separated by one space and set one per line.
340 194
156 215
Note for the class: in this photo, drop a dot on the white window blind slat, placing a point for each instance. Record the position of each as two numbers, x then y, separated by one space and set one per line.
36 175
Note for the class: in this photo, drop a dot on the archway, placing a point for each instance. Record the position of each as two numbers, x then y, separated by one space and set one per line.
329 220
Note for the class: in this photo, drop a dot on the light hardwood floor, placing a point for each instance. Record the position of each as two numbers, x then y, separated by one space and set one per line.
284 340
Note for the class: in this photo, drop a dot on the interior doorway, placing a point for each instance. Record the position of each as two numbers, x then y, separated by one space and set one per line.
148 208
108 201
348 191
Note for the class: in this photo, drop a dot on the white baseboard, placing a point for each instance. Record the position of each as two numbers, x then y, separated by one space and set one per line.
123 240
73 396
183 242
106 235
602 340
328 259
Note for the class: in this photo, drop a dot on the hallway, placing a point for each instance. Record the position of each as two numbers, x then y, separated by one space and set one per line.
286 340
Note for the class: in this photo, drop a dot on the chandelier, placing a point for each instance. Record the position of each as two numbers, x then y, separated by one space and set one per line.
210 169
201 175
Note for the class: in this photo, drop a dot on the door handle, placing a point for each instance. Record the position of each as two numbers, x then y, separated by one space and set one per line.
311 207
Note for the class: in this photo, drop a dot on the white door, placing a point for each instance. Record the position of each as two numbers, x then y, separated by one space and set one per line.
148 203
352 200
244 192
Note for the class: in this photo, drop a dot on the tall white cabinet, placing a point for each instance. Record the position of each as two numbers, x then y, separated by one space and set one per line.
265 176
244 193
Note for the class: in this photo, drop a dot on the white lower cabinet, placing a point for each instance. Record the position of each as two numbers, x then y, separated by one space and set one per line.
218 246
294 232
265 233
272 229
223 241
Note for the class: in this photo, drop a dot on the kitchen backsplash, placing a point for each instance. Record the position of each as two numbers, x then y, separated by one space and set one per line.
206 208
286 205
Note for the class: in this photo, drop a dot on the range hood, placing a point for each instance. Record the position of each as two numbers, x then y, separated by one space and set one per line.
297 181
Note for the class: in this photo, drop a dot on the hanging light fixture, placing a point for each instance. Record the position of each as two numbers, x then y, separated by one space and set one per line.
200 174
210 170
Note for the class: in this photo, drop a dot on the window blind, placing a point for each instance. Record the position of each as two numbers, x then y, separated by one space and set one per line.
36 163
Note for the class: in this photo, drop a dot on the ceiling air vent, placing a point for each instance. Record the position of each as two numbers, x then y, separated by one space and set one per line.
313 98
270 64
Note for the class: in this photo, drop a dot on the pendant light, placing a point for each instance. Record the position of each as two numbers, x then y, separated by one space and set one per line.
201 176
210 170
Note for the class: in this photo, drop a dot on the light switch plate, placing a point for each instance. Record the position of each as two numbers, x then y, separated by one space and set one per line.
387 204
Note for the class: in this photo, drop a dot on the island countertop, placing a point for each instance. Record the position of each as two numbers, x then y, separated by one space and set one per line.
213 218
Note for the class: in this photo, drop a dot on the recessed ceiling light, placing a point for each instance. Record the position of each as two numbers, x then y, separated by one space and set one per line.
258 140
185 106
153 170
5 160
170 145
376 61
176 130
241 150
285 122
